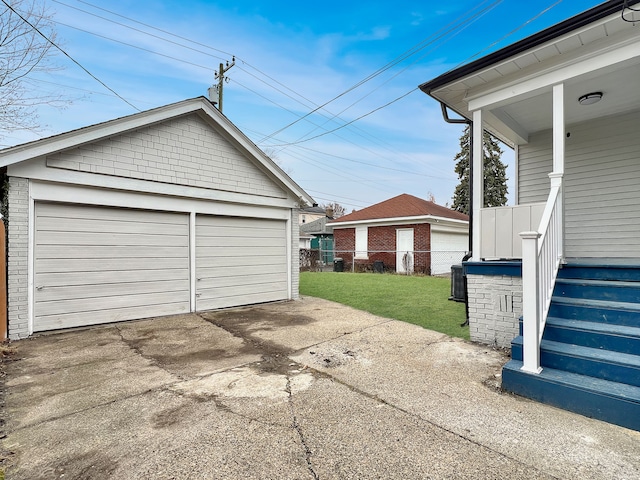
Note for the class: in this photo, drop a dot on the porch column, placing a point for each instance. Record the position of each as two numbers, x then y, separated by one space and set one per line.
559 136
558 128
478 181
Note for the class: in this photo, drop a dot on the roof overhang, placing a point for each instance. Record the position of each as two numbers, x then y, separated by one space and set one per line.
381 222
594 51
200 106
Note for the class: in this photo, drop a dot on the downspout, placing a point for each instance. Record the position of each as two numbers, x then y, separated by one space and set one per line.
469 254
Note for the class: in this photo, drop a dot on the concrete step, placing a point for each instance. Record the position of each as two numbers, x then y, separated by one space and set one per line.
592 397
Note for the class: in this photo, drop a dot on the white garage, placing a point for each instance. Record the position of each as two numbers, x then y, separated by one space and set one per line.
164 212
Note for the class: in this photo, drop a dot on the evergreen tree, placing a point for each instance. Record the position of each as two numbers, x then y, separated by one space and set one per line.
495 174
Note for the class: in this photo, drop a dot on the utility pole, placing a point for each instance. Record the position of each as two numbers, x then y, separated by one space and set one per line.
221 78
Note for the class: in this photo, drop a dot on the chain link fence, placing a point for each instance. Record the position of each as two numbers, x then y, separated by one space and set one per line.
423 262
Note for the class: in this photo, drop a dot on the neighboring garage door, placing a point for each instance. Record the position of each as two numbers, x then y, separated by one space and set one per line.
239 261
447 249
99 264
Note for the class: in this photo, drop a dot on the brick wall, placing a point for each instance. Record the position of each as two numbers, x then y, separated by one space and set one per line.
17 267
183 151
344 239
495 305
383 240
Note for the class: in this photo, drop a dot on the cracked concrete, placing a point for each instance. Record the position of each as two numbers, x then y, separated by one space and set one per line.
306 389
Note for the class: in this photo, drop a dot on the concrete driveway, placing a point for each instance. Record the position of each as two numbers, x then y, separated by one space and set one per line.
299 390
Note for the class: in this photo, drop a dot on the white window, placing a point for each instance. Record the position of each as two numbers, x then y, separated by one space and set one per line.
362 242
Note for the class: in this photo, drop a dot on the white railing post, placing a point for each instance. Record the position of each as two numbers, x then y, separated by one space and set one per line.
530 303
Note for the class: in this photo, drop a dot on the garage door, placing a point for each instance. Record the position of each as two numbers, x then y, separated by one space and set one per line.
239 261
97 264
447 249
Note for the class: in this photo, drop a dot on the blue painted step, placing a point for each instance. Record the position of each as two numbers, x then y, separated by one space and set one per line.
609 401
609 290
617 338
620 270
620 313
592 362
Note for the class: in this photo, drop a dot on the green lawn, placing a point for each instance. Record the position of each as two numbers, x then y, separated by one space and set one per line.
414 299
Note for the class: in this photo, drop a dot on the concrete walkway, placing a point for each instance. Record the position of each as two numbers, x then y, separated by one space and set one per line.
299 390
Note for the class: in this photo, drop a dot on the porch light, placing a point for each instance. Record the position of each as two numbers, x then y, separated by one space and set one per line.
590 98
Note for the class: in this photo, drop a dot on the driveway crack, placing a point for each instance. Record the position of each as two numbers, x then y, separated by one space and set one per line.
149 358
298 428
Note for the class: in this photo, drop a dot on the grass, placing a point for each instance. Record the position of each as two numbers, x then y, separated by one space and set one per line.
414 299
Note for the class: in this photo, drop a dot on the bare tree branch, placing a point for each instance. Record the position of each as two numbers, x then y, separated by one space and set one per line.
24 54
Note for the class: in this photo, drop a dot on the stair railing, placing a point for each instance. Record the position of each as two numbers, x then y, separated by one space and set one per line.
542 253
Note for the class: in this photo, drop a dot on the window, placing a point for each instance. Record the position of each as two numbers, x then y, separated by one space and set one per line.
362 242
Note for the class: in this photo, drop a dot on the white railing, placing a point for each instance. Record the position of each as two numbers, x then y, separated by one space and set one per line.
542 253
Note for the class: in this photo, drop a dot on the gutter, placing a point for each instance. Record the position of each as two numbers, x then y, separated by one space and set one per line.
469 123
585 18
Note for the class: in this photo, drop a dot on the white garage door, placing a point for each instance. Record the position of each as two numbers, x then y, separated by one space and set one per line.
239 261
97 265
447 249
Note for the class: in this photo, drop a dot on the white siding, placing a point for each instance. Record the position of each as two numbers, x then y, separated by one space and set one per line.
97 265
535 162
182 151
239 261
601 179
602 191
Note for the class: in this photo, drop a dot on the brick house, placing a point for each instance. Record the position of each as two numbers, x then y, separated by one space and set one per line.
163 212
406 233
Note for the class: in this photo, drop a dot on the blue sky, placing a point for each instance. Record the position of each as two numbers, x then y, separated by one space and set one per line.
292 57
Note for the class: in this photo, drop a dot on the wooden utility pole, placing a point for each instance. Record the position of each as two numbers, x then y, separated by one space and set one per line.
220 77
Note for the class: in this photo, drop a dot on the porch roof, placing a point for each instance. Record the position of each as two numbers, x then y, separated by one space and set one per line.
596 50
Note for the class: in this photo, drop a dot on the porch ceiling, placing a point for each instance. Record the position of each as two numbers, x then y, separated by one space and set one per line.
515 92
618 86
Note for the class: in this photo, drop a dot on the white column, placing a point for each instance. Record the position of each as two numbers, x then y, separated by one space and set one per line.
478 181
559 135
530 303
558 128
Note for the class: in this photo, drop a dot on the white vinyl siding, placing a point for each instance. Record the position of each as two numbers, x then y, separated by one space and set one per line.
97 265
601 191
601 188
362 242
535 162
240 261
447 248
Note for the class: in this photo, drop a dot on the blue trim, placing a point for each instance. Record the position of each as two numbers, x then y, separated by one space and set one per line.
511 268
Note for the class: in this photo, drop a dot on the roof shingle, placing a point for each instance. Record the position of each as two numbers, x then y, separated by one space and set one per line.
404 205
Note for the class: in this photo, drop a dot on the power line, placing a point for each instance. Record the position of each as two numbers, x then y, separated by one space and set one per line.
356 129
69 56
389 65
348 123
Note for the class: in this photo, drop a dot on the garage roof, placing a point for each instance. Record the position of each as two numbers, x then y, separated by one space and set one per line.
199 105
